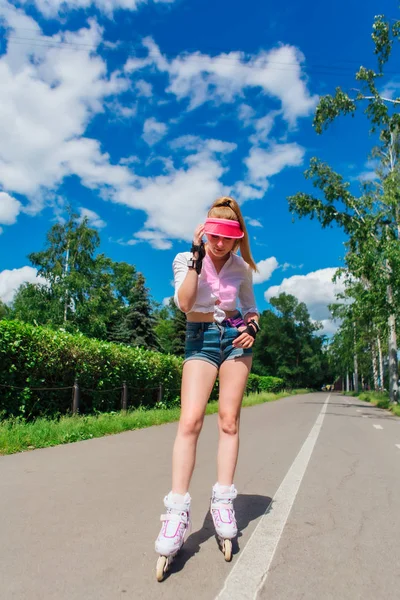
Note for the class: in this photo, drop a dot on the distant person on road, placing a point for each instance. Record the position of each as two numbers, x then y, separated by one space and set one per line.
210 280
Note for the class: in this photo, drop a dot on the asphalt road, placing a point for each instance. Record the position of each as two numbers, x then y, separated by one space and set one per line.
79 521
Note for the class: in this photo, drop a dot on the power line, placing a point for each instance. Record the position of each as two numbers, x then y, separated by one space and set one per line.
297 67
320 69
176 51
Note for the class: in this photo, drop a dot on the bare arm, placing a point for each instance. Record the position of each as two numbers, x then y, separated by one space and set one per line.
187 291
248 303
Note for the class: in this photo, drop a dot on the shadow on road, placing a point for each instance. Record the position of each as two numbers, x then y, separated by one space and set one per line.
247 508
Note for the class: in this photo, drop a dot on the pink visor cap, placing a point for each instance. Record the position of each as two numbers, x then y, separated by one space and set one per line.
224 228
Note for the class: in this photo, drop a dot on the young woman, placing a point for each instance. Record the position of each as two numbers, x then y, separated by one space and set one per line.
209 281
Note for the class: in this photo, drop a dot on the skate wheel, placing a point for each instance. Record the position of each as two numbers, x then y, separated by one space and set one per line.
161 568
227 550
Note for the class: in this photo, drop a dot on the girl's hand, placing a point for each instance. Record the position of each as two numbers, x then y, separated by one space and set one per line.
244 340
198 234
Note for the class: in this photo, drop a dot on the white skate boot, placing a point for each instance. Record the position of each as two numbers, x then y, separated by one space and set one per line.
174 530
223 516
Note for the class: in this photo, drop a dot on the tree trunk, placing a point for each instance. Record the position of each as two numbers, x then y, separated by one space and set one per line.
355 376
393 367
374 367
378 339
66 291
347 382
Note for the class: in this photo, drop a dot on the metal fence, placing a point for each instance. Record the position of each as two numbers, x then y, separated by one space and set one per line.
127 394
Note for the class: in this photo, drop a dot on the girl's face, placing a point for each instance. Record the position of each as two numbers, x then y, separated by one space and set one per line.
220 246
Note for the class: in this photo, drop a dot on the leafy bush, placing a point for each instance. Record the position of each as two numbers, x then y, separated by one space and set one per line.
37 357
259 383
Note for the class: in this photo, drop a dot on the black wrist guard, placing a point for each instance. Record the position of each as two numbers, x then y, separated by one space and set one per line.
201 251
252 328
251 331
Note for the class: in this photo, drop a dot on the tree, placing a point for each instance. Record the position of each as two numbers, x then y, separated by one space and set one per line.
137 322
287 345
83 291
68 262
371 221
4 310
171 329
34 303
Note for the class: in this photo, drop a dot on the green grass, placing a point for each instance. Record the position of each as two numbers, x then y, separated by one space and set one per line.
379 399
17 435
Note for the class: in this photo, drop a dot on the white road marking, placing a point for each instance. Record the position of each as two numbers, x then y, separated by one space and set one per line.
378 426
359 410
251 569
397 446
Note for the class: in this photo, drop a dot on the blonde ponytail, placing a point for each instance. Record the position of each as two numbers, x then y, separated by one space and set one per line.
227 208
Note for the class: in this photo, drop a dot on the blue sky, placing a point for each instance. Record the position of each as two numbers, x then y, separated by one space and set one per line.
141 112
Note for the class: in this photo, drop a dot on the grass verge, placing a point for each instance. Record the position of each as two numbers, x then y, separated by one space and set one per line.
379 399
17 435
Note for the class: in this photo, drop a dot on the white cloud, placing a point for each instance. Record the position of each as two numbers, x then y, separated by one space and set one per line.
245 191
10 281
201 78
287 266
315 289
144 88
153 131
121 111
391 89
166 300
72 80
51 8
263 127
93 218
262 164
253 222
66 86
246 114
329 327
156 239
177 202
265 269
9 209
369 173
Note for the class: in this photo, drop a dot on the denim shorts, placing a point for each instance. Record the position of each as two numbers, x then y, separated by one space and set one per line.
212 342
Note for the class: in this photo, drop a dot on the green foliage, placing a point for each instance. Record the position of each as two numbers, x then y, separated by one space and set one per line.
86 293
32 357
259 384
287 346
4 310
17 435
171 329
136 320
371 221
38 357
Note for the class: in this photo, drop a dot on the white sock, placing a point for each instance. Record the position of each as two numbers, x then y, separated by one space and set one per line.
178 498
222 489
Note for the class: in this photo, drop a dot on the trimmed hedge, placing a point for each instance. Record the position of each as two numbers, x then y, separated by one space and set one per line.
258 383
38 357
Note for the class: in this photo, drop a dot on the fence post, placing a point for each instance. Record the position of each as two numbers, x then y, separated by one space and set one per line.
75 398
124 398
160 393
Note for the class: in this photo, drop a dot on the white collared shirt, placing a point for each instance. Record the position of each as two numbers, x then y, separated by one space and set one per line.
218 292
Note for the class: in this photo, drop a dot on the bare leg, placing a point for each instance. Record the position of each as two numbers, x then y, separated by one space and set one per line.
198 378
233 376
